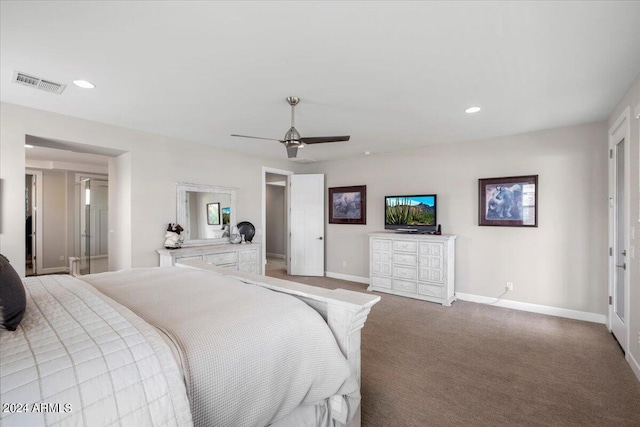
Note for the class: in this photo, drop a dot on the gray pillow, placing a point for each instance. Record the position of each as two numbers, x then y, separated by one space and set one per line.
13 299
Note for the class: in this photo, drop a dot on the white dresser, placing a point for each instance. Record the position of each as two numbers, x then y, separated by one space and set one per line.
234 256
418 266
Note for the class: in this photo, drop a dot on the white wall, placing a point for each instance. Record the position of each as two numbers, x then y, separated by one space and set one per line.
631 100
120 215
142 181
561 263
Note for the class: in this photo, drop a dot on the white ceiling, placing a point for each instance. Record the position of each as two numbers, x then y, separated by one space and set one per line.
392 75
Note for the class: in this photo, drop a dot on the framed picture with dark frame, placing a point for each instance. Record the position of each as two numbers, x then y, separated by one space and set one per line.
348 205
213 213
508 202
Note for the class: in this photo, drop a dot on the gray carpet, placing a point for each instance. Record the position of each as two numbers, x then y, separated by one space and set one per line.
477 365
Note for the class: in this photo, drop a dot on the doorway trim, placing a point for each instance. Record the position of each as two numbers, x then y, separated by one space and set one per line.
620 130
38 210
265 171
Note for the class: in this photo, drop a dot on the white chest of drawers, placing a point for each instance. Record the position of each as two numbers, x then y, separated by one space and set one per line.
236 257
418 266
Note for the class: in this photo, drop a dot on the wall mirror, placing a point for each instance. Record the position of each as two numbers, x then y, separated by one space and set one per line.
204 211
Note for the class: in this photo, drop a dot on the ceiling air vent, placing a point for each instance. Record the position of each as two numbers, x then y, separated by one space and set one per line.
38 83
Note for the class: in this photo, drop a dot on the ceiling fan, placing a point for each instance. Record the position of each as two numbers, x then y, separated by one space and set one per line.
292 139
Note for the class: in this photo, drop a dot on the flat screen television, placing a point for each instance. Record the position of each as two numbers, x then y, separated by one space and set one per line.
411 213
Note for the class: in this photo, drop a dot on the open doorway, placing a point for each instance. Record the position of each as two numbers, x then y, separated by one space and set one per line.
276 222
275 206
54 208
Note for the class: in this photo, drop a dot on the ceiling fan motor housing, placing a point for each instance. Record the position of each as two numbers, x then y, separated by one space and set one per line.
292 135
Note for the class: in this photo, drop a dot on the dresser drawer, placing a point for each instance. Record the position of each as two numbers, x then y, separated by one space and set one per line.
432 262
381 245
189 258
221 258
404 286
432 249
405 259
247 256
431 275
249 267
431 290
405 246
381 256
381 282
381 268
405 273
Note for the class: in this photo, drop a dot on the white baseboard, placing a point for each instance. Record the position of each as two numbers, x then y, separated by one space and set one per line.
535 308
348 277
635 366
53 270
272 255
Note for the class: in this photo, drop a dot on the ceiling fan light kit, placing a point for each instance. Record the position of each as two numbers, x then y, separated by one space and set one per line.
292 138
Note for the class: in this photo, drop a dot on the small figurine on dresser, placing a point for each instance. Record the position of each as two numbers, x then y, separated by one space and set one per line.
235 235
173 238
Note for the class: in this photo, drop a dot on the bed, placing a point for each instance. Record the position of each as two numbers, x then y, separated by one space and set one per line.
180 346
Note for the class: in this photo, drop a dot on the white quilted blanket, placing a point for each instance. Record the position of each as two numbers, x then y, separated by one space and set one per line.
251 355
78 359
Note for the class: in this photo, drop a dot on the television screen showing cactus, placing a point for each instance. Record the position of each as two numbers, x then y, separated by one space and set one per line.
410 213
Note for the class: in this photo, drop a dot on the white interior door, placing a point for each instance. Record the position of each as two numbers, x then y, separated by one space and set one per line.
619 233
306 225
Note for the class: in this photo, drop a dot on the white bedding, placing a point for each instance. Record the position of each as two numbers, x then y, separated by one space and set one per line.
250 355
79 359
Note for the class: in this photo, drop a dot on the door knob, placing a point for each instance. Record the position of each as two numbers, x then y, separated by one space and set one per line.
319 238
623 266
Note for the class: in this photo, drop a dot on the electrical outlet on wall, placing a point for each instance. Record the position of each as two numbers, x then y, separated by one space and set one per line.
61 257
509 286
344 263
638 338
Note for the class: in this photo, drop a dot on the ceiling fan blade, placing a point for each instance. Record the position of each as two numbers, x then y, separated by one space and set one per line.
292 151
257 137
322 139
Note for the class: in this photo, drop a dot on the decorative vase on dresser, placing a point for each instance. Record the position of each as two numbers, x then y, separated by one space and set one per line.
418 266
236 257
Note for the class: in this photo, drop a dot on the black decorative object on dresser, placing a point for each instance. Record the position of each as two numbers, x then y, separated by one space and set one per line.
247 229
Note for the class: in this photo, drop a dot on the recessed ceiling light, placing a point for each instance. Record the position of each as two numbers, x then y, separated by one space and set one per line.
28 146
472 110
366 153
84 84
